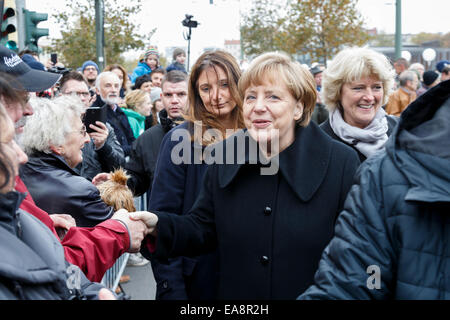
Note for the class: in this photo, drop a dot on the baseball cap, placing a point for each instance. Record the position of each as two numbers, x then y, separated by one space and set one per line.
441 65
31 80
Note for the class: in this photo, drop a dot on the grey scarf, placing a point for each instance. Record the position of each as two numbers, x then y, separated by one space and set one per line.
368 140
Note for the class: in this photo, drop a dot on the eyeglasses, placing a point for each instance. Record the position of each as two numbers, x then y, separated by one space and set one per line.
82 131
81 94
90 69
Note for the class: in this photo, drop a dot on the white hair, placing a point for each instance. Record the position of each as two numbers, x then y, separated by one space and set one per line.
51 122
102 75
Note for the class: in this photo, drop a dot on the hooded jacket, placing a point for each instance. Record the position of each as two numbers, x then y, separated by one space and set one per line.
32 265
141 69
392 240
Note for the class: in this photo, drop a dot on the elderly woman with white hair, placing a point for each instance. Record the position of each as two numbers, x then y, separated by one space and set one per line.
355 86
53 138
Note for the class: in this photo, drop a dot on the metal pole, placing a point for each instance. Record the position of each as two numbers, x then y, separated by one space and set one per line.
189 49
398 29
99 33
2 7
20 6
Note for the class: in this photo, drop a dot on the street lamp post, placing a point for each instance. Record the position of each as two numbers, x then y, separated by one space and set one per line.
398 29
189 23
99 32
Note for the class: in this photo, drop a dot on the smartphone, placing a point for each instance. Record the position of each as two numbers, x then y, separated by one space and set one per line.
54 58
94 114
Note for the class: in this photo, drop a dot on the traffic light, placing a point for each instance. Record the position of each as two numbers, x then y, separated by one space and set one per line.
32 32
8 27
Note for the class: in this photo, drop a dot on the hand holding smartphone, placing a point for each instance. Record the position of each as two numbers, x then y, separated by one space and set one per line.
94 114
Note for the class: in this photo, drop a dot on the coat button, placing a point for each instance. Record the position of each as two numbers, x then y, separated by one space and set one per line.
165 284
267 211
264 260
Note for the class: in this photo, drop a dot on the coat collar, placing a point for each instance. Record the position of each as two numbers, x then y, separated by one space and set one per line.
50 159
9 206
303 164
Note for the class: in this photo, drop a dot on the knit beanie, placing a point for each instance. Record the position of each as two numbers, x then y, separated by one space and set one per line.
155 94
429 77
89 63
151 50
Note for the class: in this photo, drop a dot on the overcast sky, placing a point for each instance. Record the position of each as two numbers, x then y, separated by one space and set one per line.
221 20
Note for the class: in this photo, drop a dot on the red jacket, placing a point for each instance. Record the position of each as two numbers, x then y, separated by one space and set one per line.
95 249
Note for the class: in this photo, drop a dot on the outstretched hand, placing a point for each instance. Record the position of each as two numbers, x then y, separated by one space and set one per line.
137 228
150 220
100 178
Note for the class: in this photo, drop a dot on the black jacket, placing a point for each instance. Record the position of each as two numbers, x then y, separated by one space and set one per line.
56 188
142 163
119 121
32 263
396 218
106 159
325 126
270 230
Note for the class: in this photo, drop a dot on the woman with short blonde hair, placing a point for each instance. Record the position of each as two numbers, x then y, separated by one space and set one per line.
355 86
139 106
279 67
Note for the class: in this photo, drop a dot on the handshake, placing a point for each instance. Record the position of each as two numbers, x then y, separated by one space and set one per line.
139 225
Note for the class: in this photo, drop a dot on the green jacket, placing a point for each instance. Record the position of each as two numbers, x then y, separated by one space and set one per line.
136 120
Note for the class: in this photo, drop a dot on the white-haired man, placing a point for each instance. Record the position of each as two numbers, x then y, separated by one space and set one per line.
107 86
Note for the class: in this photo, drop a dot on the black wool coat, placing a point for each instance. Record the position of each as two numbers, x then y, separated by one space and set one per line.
270 230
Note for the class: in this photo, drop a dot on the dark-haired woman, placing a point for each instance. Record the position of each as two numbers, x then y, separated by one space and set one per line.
214 103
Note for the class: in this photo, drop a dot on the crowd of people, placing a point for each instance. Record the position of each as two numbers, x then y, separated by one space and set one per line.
280 181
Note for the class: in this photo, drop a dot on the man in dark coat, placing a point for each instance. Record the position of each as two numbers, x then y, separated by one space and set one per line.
108 88
144 154
392 239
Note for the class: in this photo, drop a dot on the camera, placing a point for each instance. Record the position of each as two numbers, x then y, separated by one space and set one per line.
187 22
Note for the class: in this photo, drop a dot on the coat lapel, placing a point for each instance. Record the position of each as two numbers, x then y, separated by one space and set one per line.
303 164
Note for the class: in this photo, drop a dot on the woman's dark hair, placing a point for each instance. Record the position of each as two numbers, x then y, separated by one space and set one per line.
141 80
197 111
